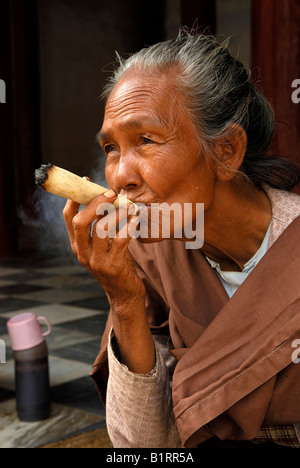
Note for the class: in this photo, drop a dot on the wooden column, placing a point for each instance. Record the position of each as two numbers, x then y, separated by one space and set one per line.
19 117
276 60
8 213
25 64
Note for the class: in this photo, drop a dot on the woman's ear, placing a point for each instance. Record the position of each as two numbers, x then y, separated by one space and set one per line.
231 149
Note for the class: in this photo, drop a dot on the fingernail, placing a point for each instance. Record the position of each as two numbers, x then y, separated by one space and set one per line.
134 219
131 209
110 194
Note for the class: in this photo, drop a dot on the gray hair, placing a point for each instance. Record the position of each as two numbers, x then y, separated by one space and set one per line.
218 92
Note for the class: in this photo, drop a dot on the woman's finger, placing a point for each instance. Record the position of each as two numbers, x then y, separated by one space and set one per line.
110 225
82 222
70 211
128 231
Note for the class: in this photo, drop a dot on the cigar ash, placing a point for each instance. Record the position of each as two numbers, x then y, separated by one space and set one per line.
41 174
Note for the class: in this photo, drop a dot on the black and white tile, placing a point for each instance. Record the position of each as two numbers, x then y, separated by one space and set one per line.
75 305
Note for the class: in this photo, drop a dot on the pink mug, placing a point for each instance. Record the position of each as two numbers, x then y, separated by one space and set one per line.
25 331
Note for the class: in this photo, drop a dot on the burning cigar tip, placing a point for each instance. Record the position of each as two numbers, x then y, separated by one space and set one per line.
41 174
65 184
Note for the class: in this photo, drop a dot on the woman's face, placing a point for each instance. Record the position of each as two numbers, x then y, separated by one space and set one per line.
153 154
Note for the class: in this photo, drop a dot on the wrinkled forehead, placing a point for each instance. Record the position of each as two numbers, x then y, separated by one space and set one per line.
146 78
139 91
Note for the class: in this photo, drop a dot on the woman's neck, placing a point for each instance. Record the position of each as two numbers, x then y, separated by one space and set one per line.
235 224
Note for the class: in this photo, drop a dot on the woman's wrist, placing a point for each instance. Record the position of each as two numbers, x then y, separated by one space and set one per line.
133 336
124 304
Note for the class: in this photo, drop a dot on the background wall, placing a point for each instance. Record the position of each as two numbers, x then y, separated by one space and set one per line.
77 43
54 58
233 20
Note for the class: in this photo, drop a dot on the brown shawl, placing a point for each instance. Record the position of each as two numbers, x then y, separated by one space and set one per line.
234 371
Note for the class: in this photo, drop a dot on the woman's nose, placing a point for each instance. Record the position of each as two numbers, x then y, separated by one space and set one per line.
127 175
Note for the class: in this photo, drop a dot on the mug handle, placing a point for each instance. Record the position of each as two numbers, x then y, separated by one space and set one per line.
46 333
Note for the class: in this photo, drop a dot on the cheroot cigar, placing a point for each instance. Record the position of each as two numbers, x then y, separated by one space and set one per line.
65 184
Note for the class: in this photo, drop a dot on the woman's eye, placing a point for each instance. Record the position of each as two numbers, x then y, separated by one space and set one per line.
147 141
109 149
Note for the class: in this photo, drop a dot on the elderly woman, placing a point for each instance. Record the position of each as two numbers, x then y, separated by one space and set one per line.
199 343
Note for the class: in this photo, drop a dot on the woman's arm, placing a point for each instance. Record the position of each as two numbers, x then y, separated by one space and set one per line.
110 262
139 410
139 406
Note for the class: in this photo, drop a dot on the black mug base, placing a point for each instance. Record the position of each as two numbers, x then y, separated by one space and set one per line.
32 414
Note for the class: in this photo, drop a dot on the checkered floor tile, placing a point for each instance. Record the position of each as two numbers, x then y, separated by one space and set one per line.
75 305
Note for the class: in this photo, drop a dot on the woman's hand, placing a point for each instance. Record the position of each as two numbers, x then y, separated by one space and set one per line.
105 254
